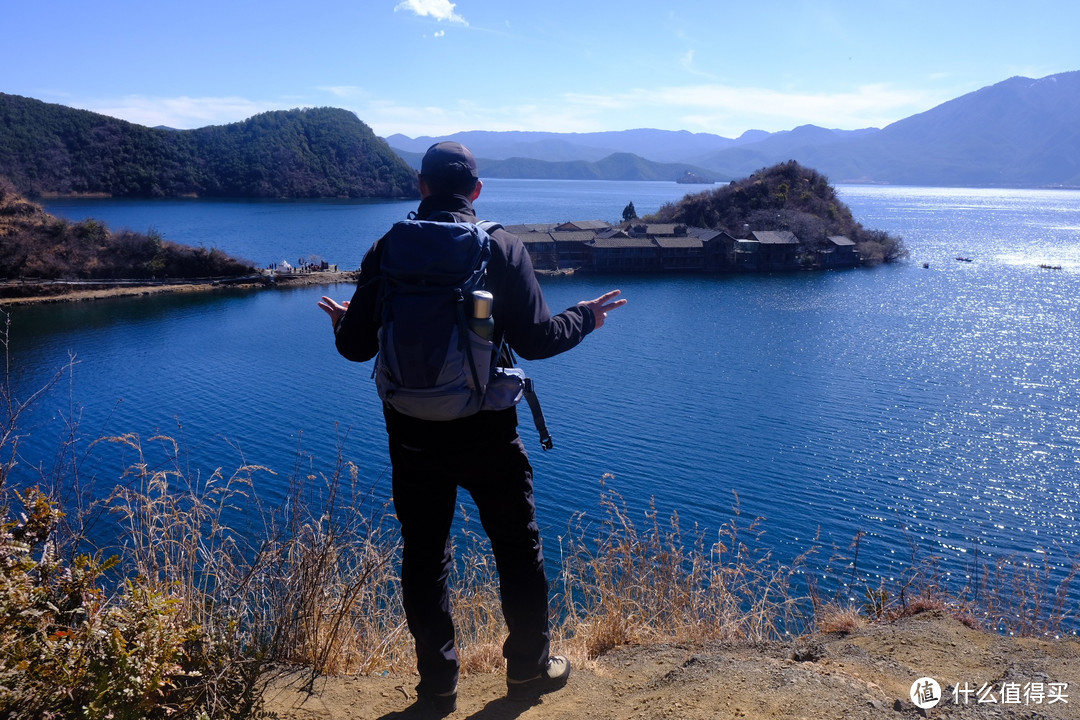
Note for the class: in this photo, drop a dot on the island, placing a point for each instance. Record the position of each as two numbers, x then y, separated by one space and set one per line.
782 218
692 178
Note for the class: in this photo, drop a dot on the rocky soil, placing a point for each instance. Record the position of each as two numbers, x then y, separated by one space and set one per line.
17 293
867 673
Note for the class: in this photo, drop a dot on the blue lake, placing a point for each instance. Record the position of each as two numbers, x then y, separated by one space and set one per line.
938 405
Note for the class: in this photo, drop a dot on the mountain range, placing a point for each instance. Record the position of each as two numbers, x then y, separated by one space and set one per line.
1017 133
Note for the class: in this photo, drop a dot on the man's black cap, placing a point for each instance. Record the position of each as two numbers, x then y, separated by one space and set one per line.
449 161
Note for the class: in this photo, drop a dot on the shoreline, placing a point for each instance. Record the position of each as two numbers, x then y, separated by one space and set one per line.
106 289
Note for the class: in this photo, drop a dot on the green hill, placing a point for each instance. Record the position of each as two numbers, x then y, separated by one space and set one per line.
48 150
786 196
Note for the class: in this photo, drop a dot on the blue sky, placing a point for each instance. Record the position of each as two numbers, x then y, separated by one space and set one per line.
433 67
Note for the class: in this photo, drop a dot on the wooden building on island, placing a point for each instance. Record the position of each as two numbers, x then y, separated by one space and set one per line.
597 246
571 246
681 253
840 252
776 250
538 242
623 253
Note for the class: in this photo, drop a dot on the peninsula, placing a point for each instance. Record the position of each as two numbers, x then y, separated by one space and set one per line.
42 256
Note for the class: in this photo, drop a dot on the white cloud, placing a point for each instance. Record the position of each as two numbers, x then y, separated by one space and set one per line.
342 91
438 9
704 107
729 110
686 61
867 106
345 92
179 112
713 108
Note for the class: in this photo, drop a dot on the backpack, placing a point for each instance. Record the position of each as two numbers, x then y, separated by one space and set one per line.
436 360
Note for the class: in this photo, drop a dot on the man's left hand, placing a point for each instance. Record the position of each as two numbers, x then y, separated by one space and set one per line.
334 309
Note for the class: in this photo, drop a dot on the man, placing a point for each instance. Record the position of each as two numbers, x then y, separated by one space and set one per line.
481 453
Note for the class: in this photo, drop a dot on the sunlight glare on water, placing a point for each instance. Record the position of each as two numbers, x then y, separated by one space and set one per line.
936 407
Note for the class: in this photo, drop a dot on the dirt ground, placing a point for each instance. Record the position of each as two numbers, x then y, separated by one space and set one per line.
867 673
103 290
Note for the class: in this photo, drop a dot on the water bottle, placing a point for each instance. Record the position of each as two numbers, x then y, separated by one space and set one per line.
481 321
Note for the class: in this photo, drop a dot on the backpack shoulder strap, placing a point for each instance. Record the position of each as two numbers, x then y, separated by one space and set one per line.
537 415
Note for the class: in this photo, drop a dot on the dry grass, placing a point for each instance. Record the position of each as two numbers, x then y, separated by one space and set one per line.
835 618
1012 594
317 585
624 585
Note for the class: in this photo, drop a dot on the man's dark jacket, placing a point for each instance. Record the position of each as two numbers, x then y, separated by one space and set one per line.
520 311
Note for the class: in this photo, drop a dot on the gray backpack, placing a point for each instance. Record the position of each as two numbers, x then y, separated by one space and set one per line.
438 358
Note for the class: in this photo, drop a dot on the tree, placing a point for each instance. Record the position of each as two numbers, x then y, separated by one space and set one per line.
629 213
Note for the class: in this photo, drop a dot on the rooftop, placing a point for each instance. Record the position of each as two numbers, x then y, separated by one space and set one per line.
623 242
775 237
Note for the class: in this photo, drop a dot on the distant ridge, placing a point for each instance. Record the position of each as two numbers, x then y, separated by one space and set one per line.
664 146
1019 132
616 166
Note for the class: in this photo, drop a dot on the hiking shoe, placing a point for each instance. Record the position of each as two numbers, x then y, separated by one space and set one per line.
434 705
554 675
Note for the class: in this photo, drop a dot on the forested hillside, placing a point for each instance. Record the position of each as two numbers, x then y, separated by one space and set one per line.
786 196
48 149
39 246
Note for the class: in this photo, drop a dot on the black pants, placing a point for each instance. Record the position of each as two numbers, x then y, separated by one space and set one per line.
499 477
